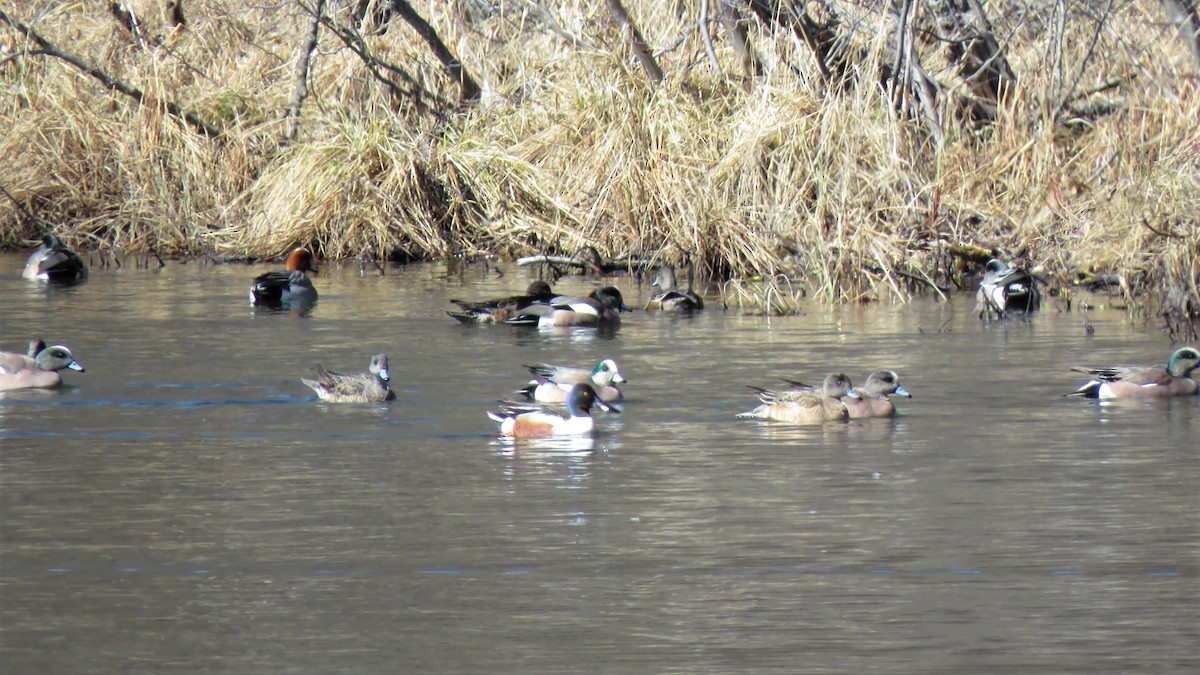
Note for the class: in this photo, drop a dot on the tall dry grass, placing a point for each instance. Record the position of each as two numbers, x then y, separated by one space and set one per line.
777 184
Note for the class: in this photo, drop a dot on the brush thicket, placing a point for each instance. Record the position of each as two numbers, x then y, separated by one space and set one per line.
785 186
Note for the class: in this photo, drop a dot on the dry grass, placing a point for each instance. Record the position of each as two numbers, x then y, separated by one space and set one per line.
827 196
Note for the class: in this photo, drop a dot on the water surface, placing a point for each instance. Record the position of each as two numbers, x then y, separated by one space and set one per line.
187 505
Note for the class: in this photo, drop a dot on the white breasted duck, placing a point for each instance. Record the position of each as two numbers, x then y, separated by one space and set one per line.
553 384
53 261
531 421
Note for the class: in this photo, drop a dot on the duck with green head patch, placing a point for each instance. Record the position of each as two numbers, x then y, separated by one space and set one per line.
40 371
552 384
1118 382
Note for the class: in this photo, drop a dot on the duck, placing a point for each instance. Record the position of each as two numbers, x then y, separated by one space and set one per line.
286 289
553 384
805 405
1123 382
669 298
369 387
602 307
497 310
873 396
53 261
1005 289
40 371
532 421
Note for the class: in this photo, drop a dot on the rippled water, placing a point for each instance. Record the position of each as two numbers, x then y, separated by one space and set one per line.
186 505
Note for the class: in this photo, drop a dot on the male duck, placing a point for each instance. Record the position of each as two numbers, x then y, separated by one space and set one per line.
368 387
286 289
1143 382
1004 289
807 405
498 310
553 384
53 261
602 307
523 421
21 371
669 298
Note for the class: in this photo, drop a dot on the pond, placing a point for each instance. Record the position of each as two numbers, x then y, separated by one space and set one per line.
187 505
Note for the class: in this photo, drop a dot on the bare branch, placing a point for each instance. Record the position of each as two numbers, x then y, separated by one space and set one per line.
111 82
302 64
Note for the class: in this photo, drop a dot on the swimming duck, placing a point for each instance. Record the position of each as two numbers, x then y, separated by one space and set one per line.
21 371
553 384
368 387
873 397
805 405
525 421
669 298
53 261
497 310
602 306
1004 289
286 289
1143 382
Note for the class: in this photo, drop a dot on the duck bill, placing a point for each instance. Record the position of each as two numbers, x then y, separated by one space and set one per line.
607 407
619 378
852 394
75 365
901 391
385 375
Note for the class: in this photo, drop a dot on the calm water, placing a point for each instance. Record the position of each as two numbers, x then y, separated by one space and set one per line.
186 505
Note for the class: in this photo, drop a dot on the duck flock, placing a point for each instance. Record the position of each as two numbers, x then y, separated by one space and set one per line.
558 399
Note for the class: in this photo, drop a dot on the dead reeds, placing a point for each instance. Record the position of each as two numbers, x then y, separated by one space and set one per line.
785 185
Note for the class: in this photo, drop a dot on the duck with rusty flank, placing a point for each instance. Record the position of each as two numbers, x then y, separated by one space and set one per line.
535 421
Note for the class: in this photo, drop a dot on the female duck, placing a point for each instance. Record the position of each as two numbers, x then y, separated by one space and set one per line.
20 371
522 421
497 310
1143 382
286 289
808 405
669 298
369 387
873 396
53 261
